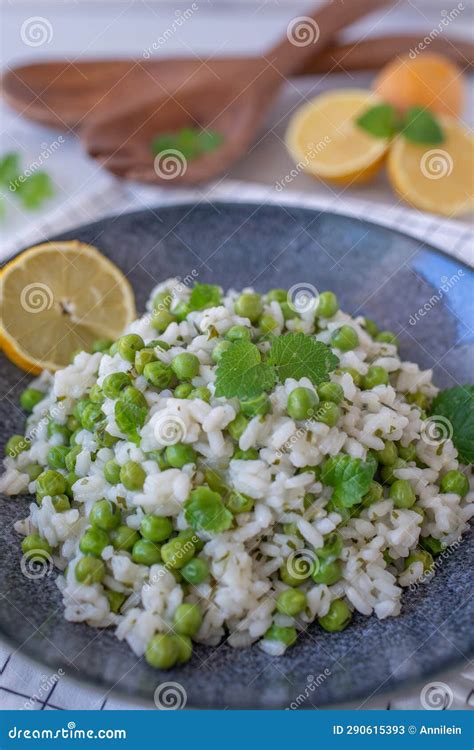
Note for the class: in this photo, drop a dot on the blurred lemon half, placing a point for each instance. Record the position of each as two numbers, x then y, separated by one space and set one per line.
59 297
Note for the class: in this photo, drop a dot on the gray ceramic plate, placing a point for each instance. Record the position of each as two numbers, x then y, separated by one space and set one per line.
374 271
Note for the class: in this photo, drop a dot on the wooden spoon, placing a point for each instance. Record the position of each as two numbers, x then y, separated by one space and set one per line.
119 134
61 94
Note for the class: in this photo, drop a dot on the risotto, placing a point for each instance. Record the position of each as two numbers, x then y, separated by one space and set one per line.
236 466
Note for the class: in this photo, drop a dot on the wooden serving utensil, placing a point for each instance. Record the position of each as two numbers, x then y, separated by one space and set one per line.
62 94
120 131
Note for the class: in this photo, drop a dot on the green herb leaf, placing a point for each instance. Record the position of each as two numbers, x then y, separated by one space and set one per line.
191 142
241 372
421 126
9 168
350 477
203 296
457 406
296 355
129 418
35 189
206 512
380 121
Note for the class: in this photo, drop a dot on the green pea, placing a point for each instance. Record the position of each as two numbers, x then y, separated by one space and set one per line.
344 338
387 472
332 547
388 455
96 394
331 392
195 571
239 503
15 445
146 552
156 528
202 393
158 374
328 413
251 454
112 472
302 403
128 345
408 453
420 556
160 458
33 471
189 535
371 327
55 428
162 300
185 648
104 439
373 495
162 651
287 636
132 475
143 358
56 457
159 344
132 395
256 406
177 552
267 323
71 478
101 345
124 538
291 602
276 295
432 545
113 349
71 456
50 483
183 390
295 570
179 455
337 618
402 494
219 350
161 319
72 424
74 436
387 337
355 375
79 409
185 366
35 543
249 305
187 619
374 376
60 503
115 383
116 599
289 313
105 514
238 333
328 571
93 542
418 399
237 427
29 398
89 570
327 305
455 481
181 310
92 417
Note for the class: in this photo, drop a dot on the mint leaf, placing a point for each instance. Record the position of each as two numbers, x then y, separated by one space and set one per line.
241 372
457 406
203 296
191 142
296 355
421 126
35 189
207 512
9 168
350 477
380 121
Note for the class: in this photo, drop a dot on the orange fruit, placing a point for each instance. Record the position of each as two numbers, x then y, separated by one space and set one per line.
429 80
324 139
59 297
435 178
